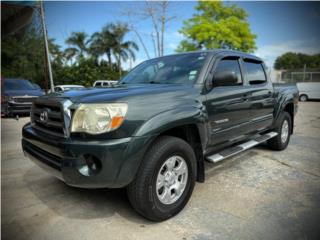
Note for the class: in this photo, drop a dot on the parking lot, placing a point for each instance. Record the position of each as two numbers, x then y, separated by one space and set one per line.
260 194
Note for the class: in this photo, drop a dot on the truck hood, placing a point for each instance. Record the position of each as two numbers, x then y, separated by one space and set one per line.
123 93
26 93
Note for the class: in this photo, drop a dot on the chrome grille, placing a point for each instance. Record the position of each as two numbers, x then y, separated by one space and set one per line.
53 122
27 100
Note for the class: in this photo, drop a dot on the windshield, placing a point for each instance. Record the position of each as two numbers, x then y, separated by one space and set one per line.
18 84
179 69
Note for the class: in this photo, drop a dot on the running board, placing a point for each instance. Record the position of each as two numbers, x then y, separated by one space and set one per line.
240 148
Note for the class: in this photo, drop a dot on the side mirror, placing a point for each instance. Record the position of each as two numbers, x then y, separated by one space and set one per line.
225 78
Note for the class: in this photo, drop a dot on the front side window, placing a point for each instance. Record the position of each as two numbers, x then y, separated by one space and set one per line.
177 69
229 65
254 72
57 89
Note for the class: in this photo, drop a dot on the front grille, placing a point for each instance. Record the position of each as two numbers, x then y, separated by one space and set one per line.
53 123
24 99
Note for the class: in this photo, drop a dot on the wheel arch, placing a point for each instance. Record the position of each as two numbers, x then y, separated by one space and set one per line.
192 134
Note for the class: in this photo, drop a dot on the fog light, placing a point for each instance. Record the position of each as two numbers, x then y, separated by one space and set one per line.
91 165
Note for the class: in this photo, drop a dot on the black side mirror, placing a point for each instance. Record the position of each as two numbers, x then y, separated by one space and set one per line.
225 78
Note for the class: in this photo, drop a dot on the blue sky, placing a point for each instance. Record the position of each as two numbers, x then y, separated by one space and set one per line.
279 26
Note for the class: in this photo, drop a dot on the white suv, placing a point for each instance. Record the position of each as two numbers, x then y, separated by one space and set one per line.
104 83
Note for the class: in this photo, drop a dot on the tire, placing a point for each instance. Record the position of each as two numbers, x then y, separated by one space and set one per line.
303 98
281 141
143 193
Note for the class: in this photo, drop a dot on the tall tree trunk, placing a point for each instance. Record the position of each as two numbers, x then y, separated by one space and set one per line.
141 41
154 45
119 65
152 13
109 59
163 21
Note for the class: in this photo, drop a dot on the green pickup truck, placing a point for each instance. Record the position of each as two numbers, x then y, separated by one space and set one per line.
152 132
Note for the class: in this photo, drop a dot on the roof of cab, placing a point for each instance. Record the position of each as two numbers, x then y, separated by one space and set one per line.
222 51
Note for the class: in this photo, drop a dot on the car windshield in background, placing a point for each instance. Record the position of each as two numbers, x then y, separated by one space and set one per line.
18 84
177 69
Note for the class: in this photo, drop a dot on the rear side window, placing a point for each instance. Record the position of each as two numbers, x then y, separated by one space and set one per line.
254 72
232 65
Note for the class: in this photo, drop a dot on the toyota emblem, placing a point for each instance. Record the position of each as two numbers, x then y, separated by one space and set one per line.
44 116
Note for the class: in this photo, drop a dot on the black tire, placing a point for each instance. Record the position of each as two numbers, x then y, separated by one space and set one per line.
142 191
303 98
277 143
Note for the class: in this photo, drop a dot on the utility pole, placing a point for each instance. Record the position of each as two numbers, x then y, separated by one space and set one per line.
46 46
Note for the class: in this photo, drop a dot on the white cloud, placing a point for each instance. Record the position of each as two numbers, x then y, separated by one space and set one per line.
172 40
270 52
172 45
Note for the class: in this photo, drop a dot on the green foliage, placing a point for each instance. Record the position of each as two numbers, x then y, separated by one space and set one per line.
291 60
23 56
85 73
217 25
79 43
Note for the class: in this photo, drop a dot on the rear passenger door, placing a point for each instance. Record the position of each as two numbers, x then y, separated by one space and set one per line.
261 95
227 106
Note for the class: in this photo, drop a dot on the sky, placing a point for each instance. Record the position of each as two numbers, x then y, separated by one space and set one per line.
280 26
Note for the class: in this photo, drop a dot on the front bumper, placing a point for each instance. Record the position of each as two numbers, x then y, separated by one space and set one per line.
64 158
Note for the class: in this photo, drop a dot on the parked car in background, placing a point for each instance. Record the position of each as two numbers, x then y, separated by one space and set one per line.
62 88
308 90
104 83
17 96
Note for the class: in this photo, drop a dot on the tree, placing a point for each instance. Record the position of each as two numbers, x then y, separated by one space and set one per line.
158 12
79 42
217 25
122 50
292 60
22 55
102 43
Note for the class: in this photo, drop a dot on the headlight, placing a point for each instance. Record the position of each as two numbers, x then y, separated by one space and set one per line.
98 118
6 98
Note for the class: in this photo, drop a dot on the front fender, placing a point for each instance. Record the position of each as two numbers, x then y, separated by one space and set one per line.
172 118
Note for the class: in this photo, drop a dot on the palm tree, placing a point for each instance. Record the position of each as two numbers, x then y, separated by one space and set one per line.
102 43
57 57
78 42
122 50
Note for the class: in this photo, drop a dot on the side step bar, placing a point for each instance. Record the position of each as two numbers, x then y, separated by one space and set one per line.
240 148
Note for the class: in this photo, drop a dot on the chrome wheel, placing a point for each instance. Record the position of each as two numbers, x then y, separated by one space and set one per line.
284 131
303 98
172 180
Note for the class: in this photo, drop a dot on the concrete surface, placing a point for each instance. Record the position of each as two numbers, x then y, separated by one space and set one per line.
259 194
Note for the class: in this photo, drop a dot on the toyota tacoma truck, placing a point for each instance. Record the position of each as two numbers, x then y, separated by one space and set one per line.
153 132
